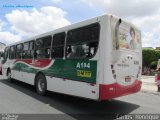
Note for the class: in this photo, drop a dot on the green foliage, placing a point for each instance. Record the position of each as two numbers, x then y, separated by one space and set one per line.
154 64
150 55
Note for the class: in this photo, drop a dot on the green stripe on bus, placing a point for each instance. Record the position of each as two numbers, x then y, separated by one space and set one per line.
78 70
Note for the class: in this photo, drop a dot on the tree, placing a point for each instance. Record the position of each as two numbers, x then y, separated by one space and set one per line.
153 64
149 57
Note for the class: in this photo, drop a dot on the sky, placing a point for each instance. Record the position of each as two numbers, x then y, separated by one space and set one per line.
21 19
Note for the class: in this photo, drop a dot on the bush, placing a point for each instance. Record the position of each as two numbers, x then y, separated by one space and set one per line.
153 64
149 56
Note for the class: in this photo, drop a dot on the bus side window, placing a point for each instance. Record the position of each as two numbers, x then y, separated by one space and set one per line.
25 50
92 49
43 46
83 42
28 50
31 49
5 54
19 49
58 45
68 50
76 51
12 52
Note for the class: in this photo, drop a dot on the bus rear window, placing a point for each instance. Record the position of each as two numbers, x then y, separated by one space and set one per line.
129 37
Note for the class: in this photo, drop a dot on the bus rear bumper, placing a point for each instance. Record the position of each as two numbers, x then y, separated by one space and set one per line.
116 90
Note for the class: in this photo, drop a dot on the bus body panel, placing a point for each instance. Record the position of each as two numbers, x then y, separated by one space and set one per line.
64 86
122 69
70 75
24 77
78 70
8 64
60 85
71 87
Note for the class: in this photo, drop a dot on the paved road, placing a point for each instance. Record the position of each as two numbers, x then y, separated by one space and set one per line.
149 84
17 99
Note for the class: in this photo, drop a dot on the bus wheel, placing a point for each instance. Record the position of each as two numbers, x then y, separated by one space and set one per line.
41 84
9 76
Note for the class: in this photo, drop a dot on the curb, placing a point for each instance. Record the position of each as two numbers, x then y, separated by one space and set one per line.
146 77
149 83
150 92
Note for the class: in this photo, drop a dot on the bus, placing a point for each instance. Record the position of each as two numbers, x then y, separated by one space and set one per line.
2 47
99 59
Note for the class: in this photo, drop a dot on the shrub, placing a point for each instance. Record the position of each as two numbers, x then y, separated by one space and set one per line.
153 64
149 56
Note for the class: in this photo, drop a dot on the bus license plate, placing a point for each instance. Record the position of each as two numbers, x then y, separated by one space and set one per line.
127 79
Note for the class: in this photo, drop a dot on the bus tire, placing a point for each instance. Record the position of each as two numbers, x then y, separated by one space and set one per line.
41 84
9 78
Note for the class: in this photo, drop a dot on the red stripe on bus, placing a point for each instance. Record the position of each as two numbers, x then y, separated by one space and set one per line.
116 90
36 63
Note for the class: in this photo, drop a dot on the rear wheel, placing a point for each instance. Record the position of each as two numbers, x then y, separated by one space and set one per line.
41 84
9 76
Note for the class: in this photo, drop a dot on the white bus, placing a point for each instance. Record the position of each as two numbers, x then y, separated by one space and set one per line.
2 47
98 59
